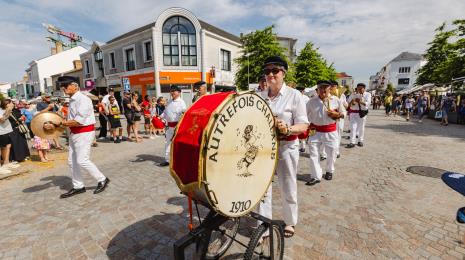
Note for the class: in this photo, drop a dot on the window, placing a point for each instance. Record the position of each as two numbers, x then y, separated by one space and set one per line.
179 42
112 60
343 82
225 60
87 67
148 51
130 61
404 81
404 69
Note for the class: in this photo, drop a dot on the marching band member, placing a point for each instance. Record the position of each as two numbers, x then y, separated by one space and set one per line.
81 120
288 106
323 112
201 88
359 103
303 136
338 92
172 114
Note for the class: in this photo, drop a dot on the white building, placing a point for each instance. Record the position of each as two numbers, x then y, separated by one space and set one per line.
401 72
4 87
177 48
40 71
289 45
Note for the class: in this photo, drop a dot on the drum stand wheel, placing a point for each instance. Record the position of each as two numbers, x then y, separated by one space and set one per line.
216 233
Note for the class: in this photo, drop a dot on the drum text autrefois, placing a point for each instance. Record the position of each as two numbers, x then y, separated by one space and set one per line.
249 101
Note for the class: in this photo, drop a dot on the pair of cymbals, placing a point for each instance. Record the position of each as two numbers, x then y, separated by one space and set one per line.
47 125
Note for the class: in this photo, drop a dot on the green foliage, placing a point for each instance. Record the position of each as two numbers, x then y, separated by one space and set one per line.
390 88
311 67
445 55
257 46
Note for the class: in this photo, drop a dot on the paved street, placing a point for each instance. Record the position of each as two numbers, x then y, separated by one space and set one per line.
372 209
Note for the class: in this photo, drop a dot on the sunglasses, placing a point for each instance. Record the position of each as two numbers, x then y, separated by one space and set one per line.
272 70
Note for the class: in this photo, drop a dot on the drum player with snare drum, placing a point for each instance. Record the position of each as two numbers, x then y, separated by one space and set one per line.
288 106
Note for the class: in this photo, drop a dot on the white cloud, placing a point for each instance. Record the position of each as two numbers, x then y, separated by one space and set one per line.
358 36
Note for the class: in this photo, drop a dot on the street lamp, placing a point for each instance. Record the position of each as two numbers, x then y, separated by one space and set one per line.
248 70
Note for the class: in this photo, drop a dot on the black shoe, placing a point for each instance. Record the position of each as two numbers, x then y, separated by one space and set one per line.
360 144
350 146
322 158
101 186
328 176
163 164
302 150
115 141
338 156
312 182
72 192
118 141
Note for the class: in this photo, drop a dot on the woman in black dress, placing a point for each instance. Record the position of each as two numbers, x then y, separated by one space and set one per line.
19 147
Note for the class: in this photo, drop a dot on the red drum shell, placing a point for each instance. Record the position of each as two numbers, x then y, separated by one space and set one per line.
158 123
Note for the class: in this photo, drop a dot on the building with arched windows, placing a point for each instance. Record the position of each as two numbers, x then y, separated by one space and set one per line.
177 48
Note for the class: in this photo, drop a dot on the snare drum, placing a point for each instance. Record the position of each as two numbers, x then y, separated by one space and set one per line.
224 151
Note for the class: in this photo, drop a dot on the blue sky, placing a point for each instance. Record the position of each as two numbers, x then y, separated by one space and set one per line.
358 36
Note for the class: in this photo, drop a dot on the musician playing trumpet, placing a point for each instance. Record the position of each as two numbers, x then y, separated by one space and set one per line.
323 113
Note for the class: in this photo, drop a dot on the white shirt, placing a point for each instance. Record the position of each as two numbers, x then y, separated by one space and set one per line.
343 100
288 105
174 110
366 98
81 109
5 127
306 99
317 110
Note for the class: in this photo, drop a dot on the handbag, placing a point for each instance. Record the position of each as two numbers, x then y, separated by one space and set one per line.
362 113
438 114
21 127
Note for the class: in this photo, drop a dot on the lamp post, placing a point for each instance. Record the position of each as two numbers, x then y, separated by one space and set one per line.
248 70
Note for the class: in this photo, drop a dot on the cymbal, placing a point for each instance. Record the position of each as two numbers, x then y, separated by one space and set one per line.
46 125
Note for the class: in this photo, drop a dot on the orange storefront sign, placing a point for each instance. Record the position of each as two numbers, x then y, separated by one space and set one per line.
184 77
141 79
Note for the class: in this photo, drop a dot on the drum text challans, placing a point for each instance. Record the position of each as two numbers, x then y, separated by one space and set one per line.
224 152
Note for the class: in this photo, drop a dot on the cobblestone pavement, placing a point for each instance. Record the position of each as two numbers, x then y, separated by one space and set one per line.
372 209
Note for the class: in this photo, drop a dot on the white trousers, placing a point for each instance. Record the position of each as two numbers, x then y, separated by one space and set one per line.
302 143
322 150
286 172
340 131
79 157
329 142
169 137
357 127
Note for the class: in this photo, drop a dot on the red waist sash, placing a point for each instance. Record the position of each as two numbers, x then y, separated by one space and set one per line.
351 111
82 129
324 128
172 124
289 138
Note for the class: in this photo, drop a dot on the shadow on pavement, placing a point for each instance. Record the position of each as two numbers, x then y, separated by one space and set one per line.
153 238
149 157
64 182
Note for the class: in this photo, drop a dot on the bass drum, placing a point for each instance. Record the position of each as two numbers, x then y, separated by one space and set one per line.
224 151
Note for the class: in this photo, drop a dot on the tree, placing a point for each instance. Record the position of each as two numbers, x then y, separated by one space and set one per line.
441 58
390 88
257 46
311 67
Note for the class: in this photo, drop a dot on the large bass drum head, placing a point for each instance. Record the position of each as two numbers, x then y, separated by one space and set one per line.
240 154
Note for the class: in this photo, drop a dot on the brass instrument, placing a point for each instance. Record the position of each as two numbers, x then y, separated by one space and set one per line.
47 125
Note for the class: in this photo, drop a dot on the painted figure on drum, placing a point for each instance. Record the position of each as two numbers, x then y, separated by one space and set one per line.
251 151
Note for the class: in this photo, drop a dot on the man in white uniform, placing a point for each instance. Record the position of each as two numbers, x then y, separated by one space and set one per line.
323 113
288 106
359 101
338 92
81 120
172 114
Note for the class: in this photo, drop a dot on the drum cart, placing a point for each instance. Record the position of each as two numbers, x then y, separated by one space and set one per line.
216 233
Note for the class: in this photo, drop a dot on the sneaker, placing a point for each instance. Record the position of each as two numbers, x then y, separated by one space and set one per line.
4 170
11 166
152 137
101 138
